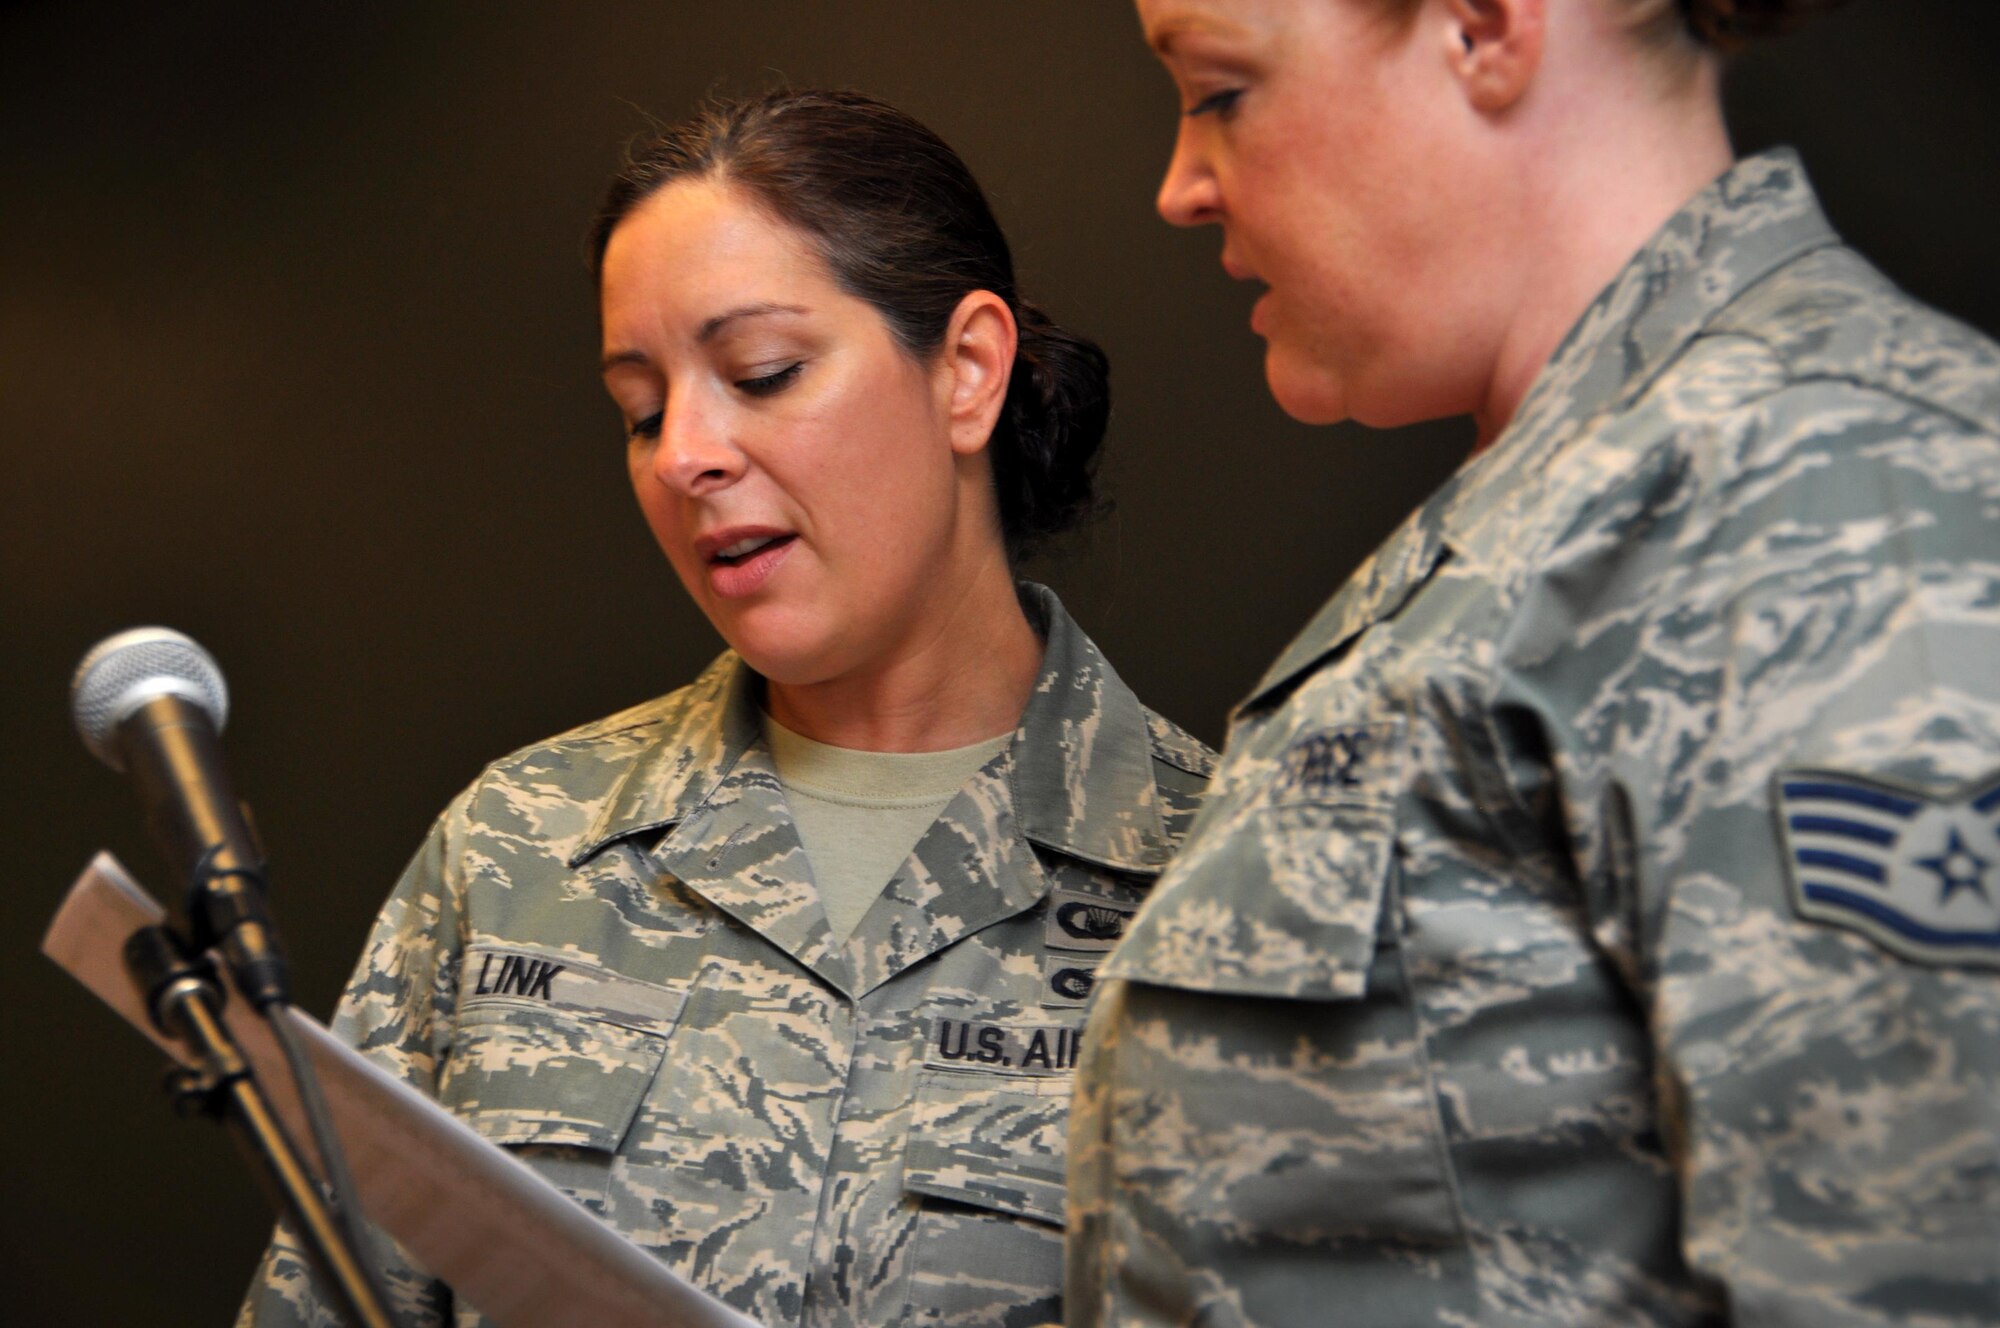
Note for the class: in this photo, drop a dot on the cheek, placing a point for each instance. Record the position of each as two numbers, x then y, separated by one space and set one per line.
881 467
1316 188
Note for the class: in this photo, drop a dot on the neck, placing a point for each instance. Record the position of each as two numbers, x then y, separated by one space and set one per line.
1617 157
963 678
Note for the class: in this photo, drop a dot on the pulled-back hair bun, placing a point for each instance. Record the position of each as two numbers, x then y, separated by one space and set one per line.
1046 446
1730 25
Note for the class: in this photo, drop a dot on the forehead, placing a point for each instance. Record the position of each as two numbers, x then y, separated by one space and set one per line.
696 242
1170 24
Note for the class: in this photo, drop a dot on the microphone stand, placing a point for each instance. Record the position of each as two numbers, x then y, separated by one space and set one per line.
185 1001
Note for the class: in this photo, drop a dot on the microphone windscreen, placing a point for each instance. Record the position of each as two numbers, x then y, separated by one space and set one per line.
122 673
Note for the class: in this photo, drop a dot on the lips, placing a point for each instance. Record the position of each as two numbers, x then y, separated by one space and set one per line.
744 549
1237 268
1234 265
740 559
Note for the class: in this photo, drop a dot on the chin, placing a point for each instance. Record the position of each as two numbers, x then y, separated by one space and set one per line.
788 663
1315 394
782 646
1305 392
790 659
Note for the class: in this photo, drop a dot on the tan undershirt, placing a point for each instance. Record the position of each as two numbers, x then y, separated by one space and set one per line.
860 813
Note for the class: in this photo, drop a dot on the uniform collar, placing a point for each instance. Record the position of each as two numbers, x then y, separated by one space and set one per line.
1083 756
1081 761
1755 218
1758 216
704 731
1376 590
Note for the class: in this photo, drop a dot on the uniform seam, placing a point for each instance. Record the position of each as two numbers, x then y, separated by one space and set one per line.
857 1021
1795 378
589 736
1440 1146
1516 830
659 712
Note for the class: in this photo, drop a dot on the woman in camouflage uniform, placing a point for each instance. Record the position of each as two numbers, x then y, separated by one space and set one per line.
783 973
1596 917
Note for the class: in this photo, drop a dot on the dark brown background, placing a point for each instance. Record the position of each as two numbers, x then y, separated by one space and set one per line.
297 355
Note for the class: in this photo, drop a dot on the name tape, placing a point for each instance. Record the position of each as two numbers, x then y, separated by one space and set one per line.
561 982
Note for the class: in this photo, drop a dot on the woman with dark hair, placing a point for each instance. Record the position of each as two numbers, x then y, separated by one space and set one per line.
1596 917
782 974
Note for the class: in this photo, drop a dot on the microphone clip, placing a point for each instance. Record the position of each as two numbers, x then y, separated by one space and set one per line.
184 995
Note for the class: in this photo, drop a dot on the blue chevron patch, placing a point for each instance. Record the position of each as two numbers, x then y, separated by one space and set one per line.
1916 873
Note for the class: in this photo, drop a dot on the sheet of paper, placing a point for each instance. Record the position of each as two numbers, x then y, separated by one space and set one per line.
505 1240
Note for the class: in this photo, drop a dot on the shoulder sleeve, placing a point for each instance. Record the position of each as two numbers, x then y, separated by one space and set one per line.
397 1010
1776 732
399 1002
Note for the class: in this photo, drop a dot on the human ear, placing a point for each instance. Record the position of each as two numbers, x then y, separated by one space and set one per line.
1496 49
975 361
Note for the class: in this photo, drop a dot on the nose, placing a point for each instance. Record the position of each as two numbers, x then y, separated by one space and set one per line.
694 454
1189 194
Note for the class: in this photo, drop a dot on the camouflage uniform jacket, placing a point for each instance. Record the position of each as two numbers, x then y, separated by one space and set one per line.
1594 917
609 955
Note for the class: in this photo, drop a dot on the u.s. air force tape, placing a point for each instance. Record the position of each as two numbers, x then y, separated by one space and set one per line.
495 973
973 1044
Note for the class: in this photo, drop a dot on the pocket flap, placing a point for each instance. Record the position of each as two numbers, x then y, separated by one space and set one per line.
1282 901
525 1075
993 1141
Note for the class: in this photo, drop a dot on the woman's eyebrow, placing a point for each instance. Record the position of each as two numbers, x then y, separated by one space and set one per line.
1169 34
714 325
707 332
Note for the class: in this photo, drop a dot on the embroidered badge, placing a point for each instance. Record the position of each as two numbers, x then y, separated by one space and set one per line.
1067 980
1917 874
1335 764
1079 921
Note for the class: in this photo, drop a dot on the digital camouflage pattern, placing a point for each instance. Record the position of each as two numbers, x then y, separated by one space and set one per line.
610 957
1485 990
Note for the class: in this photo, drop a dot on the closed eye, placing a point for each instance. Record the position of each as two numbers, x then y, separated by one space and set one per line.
1216 103
770 383
648 427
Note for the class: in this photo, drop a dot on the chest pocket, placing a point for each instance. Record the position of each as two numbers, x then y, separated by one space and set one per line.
1266 1053
992 1145
557 1080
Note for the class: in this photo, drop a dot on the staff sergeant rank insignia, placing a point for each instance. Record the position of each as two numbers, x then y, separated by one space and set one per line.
1917 874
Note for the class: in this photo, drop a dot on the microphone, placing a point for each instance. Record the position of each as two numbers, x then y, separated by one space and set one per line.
150 703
